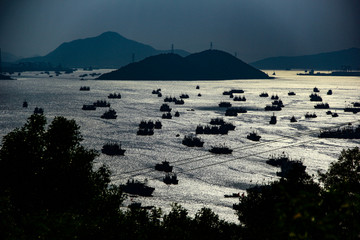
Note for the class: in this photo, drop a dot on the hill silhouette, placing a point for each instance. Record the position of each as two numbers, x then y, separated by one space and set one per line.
338 60
108 50
206 65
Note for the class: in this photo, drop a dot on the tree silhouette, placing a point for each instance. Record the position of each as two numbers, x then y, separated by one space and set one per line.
48 173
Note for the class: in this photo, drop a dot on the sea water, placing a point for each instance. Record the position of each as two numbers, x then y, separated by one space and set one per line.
204 177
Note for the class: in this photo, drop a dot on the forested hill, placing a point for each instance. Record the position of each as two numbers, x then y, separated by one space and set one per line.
108 50
348 59
206 65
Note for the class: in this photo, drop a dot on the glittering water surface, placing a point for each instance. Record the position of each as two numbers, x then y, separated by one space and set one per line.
204 178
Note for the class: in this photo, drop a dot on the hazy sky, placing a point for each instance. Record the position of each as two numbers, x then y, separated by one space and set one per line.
254 29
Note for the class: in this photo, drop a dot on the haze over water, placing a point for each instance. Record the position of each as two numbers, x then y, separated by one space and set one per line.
204 178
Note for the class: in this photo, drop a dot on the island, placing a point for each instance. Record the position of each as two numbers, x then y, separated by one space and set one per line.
5 77
206 65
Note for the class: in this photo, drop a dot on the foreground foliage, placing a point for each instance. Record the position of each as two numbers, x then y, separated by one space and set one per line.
50 190
296 207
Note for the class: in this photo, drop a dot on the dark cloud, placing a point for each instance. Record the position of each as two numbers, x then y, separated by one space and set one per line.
254 29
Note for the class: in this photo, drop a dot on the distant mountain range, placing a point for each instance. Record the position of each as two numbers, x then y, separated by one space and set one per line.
108 50
206 65
348 59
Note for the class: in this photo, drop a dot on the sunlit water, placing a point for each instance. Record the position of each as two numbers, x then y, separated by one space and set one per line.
204 178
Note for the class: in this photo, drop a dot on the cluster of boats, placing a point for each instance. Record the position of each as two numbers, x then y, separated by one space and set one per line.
147 128
221 129
137 188
220 149
233 91
225 104
233 111
109 114
114 96
101 103
38 110
84 88
322 106
348 132
309 115
239 98
354 109
192 141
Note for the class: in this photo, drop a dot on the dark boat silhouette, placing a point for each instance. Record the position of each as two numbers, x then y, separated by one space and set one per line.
136 187
221 149
145 132
110 114
322 106
164 166
165 108
184 96
352 109
315 98
233 111
217 121
335 115
224 104
38 110
264 94
101 103
329 92
278 103
233 91
273 119
112 149
199 94
308 115
348 132
114 95
177 114
170 179
234 195
315 89
166 116
88 107
291 93
273 108
293 119
25 104
275 97
146 124
192 141
158 125
212 129
239 98
157 91
179 102
253 136
84 88
197 87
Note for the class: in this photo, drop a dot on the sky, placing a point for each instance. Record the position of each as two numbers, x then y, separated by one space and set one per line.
253 29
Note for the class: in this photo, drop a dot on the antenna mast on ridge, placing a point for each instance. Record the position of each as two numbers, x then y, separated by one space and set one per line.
211 46
172 48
